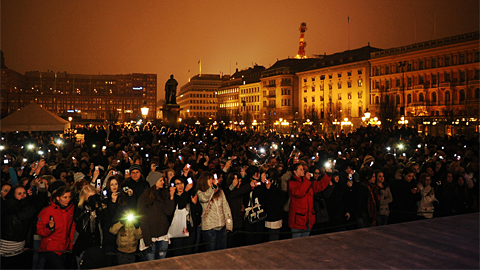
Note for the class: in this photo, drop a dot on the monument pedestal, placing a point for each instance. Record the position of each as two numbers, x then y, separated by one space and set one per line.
171 113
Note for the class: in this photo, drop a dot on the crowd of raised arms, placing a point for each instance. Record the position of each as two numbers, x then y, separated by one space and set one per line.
125 194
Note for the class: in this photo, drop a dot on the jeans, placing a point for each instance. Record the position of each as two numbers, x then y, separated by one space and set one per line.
51 260
382 220
273 234
125 258
214 239
296 233
36 254
157 251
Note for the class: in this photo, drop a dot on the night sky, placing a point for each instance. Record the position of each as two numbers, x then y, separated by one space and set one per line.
170 37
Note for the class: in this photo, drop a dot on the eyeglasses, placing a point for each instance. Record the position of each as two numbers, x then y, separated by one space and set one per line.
179 183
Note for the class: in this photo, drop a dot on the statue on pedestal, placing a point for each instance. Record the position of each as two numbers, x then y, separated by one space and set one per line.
171 91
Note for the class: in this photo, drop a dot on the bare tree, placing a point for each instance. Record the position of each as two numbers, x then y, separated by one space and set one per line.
387 113
313 115
223 115
334 112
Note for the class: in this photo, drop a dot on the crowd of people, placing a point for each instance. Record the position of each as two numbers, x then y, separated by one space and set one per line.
134 193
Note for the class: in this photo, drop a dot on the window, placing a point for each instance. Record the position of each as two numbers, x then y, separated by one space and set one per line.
330 76
377 100
305 99
377 84
349 95
434 97
349 84
462 59
434 62
387 85
339 85
360 94
421 79
313 99
349 73
447 77
409 82
322 77
305 80
321 98
359 72
313 88
397 99
447 61
409 98
313 79
339 96
387 70
409 66
462 95
421 65
397 83
420 97
477 93
434 79
462 75
339 75
330 86
360 83
377 71
447 97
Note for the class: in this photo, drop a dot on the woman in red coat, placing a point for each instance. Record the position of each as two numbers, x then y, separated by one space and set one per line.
301 216
56 227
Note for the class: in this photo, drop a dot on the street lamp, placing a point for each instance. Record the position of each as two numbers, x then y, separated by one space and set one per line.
144 110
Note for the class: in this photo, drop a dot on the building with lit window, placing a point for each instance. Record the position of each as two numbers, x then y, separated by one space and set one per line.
90 97
433 84
198 97
239 97
279 88
336 87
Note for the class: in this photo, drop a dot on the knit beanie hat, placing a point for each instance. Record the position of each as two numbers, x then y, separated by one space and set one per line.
78 176
368 158
135 167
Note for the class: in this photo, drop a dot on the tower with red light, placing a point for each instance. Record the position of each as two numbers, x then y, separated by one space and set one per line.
303 43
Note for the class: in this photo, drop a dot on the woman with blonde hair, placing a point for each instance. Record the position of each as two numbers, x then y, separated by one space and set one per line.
87 216
216 216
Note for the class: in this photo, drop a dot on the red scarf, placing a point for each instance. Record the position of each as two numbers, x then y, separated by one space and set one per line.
373 199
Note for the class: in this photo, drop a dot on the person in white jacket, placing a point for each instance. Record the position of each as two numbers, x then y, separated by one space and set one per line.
216 214
425 204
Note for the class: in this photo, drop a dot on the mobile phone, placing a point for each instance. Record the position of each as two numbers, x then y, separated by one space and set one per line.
440 157
188 165
146 155
371 164
34 190
114 172
180 157
172 184
125 189
5 161
174 151
105 192
73 158
96 168
99 183
51 218
189 180
127 171
215 176
259 183
266 181
313 158
311 174
25 160
104 147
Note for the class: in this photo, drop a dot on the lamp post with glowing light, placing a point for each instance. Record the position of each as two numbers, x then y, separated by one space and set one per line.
144 110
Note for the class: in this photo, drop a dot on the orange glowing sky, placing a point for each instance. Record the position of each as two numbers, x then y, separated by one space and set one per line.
170 37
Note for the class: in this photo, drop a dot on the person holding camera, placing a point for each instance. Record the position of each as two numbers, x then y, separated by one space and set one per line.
135 185
154 207
128 233
56 227
301 190
87 216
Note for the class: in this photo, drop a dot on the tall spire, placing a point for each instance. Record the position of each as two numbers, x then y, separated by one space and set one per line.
303 43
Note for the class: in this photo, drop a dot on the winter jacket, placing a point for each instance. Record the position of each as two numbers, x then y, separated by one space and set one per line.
127 236
237 207
17 219
301 193
218 213
60 238
154 219
425 204
385 199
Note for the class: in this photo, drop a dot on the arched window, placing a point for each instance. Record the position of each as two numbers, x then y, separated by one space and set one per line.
420 97
477 93
434 97
409 98
397 100
447 97
377 100
462 95
387 99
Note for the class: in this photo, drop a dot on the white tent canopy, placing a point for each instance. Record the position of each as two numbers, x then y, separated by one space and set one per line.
33 118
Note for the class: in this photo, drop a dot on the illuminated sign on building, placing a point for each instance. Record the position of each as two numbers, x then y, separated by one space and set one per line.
138 88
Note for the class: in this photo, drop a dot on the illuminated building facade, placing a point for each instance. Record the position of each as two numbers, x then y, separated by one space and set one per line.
279 88
336 87
239 98
433 84
198 97
93 97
